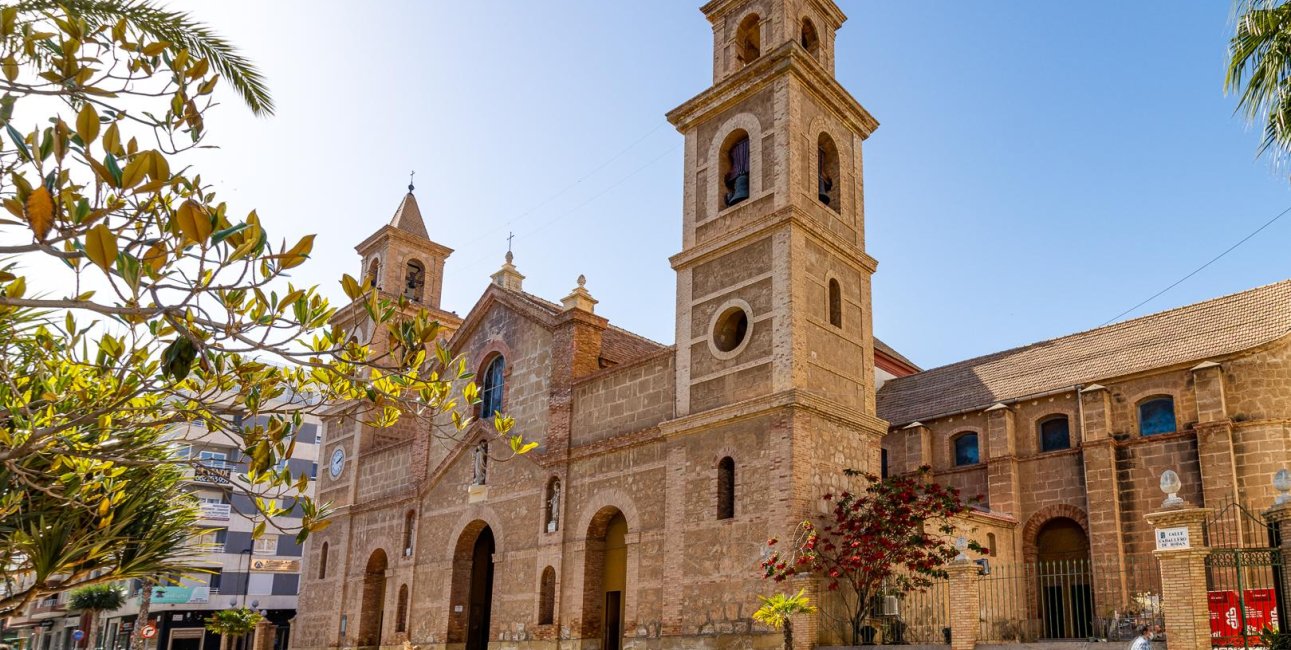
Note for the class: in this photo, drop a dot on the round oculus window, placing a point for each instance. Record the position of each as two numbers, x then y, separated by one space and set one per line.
731 329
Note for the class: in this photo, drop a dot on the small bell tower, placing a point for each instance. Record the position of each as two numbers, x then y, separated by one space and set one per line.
773 281
401 260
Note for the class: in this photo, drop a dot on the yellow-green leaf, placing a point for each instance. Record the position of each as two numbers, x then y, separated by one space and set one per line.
101 246
194 222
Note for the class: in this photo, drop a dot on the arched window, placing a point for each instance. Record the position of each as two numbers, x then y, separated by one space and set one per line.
1055 433
1156 415
748 40
735 167
491 388
966 449
374 273
409 520
414 280
810 39
827 171
990 544
401 616
322 562
547 597
726 488
551 505
835 304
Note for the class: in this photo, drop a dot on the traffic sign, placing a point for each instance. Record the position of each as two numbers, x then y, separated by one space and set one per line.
77 635
149 631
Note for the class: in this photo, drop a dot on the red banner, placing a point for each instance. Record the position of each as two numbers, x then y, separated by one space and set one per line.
1261 612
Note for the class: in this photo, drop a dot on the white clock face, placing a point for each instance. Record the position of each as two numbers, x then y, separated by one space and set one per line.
338 462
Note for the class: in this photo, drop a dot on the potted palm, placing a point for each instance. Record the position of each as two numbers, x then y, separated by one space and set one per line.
778 611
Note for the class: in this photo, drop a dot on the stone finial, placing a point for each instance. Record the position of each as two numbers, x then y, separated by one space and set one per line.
580 298
508 277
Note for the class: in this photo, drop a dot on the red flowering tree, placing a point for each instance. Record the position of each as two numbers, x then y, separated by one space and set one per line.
896 534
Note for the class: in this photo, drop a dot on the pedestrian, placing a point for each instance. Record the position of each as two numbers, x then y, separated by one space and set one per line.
1144 639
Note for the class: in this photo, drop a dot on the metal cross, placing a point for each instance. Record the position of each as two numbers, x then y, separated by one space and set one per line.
510 236
411 174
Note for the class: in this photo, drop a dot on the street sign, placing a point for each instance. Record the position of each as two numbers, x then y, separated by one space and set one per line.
77 635
149 631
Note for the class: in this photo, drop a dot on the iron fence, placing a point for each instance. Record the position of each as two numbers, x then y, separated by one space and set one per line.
1070 599
1244 594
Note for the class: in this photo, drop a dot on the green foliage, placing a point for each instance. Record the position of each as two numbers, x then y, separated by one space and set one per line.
1275 640
96 598
1259 70
233 622
134 302
778 609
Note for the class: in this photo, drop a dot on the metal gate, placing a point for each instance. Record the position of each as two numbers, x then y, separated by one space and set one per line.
1244 571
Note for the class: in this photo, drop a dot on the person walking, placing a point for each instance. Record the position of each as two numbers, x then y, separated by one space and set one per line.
1144 639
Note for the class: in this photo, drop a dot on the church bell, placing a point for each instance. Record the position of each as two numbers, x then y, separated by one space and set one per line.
739 187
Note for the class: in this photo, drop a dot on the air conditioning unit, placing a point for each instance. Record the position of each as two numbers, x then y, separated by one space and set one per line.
891 606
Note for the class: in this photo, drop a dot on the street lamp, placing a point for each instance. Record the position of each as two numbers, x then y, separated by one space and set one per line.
1282 483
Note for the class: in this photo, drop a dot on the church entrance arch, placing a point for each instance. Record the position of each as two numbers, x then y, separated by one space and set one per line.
374 590
605 578
472 591
1064 580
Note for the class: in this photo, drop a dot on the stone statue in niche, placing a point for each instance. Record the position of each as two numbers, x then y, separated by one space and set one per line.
480 466
553 507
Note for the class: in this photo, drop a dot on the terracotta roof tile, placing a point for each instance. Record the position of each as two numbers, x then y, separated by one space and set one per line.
1187 334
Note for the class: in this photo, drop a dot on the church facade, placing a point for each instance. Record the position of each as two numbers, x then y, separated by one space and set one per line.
640 520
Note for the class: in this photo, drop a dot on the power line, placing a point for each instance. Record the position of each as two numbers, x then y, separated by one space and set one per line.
480 261
563 190
1199 268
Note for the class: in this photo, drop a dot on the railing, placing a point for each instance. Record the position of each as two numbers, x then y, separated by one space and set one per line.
896 617
1070 599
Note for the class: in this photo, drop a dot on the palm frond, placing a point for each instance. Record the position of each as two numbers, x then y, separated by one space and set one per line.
179 29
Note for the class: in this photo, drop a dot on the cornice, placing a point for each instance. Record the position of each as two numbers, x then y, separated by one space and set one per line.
791 215
787 60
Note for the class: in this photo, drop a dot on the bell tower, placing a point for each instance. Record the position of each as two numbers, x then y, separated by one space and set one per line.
773 281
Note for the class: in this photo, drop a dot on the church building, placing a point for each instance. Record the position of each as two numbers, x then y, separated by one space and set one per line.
662 470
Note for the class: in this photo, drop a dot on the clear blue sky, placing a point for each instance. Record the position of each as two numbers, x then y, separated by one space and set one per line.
1039 168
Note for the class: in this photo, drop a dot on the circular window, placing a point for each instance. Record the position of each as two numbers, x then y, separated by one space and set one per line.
731 329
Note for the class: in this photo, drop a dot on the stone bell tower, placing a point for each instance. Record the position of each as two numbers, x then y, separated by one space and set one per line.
773 281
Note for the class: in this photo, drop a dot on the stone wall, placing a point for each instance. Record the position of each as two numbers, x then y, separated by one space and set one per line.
623 399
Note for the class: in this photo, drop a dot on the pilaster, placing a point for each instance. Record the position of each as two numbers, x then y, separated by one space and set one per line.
1002 463
1102 496
918 446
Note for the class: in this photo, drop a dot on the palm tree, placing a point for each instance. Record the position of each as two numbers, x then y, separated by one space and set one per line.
93 601
1259 70
778 610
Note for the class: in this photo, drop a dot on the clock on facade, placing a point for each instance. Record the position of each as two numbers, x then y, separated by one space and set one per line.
338 462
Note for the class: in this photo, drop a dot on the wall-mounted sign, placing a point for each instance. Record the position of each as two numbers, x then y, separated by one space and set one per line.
1172 539
215 511
276 566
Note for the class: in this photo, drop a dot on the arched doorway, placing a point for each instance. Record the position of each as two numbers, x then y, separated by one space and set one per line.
605 578
471 600
1064 580
374 590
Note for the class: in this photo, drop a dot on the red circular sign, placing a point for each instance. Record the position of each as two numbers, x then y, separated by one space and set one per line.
148 631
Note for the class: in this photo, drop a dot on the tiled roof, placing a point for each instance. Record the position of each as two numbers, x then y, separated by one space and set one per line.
408 217
891 352
1197 332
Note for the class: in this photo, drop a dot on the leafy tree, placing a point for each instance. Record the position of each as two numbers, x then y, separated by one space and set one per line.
1259 70
778 611
896 533
134 301
233 624
94 601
